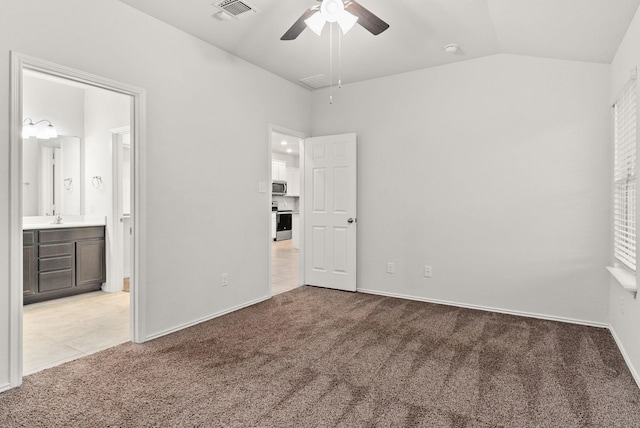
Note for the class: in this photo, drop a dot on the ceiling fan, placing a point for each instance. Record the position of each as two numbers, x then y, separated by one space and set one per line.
345 12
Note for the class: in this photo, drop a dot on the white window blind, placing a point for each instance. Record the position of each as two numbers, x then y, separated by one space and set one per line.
624 179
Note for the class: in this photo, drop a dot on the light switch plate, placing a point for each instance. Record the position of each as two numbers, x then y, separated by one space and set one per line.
428 272
262 187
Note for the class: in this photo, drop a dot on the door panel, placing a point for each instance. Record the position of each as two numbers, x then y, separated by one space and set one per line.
319 186
330 186
318 249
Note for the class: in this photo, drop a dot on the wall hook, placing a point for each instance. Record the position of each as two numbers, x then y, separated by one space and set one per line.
97 183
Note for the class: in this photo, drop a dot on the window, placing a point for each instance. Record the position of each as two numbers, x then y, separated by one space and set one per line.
624 178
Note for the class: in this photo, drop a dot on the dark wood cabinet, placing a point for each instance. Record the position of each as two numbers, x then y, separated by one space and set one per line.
90 267
30 270
62 262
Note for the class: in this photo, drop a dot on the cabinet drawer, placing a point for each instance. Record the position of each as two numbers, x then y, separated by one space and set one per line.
52 250
28 237
56 263
57 280
73 234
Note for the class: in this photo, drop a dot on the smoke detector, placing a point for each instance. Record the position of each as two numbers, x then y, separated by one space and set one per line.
233 9
451 48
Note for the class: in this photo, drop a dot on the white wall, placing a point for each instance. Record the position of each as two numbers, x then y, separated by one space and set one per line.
493 171
624 310
191 239
103 111
61 104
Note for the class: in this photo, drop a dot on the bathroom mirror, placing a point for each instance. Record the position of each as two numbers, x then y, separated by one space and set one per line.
52 176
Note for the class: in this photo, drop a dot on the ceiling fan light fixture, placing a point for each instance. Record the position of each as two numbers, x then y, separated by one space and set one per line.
346 21
316 23
331 10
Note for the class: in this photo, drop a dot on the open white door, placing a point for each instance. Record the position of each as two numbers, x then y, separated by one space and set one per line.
330 211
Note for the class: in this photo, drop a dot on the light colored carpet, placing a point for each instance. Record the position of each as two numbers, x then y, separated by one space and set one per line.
315 357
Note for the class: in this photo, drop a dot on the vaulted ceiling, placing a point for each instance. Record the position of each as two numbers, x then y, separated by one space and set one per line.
580 30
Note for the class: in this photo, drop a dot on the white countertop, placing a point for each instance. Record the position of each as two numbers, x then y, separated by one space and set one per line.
61 225
46 222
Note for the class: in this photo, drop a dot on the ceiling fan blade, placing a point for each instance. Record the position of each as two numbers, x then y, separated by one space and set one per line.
299 25
368 20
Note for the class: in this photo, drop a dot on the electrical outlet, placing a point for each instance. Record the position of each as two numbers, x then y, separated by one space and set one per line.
428 272
225 279
391 268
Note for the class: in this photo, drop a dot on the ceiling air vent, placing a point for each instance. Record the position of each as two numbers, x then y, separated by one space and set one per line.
235 8
317 82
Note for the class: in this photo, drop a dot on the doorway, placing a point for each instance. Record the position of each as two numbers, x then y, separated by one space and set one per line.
89 124
286 204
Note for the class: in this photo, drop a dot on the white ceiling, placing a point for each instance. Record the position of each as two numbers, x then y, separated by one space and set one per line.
581 30
285 144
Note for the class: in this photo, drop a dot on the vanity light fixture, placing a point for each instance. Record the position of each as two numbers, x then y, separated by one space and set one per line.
31 129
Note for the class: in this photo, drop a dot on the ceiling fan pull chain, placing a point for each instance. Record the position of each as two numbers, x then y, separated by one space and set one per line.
331 63
339 59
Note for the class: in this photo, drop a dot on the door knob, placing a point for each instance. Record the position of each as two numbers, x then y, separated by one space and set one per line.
350 220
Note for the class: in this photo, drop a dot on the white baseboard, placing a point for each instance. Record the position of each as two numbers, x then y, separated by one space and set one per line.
486 308
207 318
627 360
5 387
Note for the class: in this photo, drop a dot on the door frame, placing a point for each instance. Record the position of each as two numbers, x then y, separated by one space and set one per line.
282 130
116 268
20 62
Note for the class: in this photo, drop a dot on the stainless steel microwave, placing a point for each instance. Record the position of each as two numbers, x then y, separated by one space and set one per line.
279 188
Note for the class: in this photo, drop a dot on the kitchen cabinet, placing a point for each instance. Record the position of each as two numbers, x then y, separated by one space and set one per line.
274 225
278 170
293 181
61 262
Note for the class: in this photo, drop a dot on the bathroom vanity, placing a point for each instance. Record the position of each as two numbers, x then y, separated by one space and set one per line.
62 260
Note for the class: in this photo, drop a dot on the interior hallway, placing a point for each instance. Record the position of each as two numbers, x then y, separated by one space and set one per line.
285 262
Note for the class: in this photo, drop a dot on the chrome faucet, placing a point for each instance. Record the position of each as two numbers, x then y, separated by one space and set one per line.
57 220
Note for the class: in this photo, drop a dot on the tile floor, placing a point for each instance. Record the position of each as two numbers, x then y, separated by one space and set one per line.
62 330
285 262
